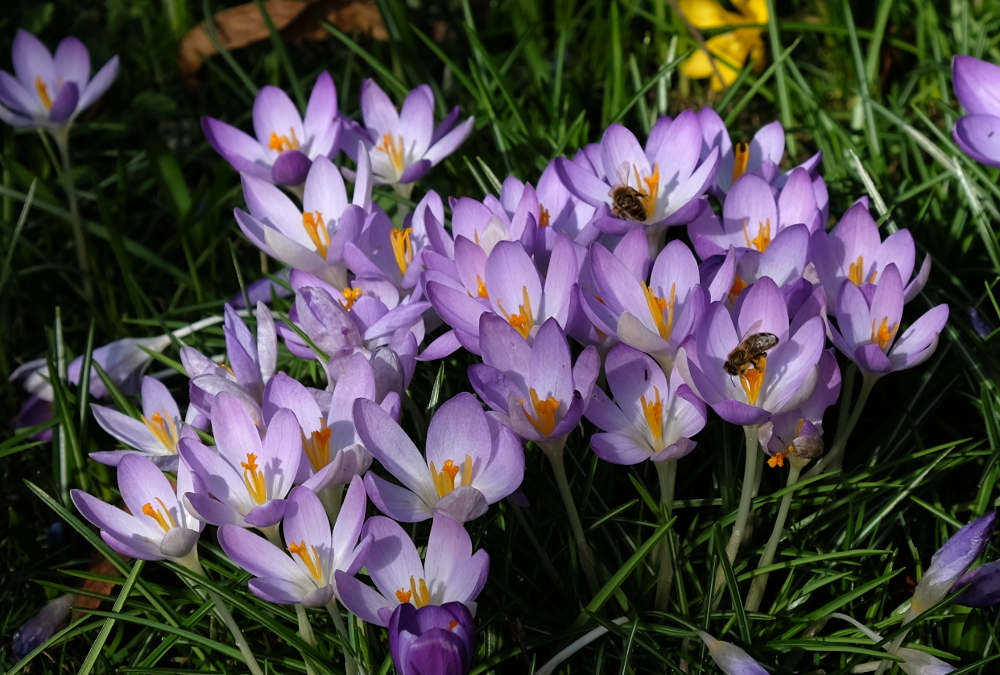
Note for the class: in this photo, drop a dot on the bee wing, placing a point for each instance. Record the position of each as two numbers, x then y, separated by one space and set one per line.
752 330
623 174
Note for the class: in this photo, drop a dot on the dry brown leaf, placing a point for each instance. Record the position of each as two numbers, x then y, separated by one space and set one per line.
243 25
100 565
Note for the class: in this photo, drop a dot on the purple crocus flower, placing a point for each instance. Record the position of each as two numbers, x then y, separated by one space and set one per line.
983 586
651 417
41 627
854 250
867 332
915 662
244 480
977 87
559 210
155 436
536 389
949 564
156 526
779 381
404 145
34 412
658 186
311 238
263 290
50 91
304 572
752 218
471 461
432 639
451 571
731 659
286 144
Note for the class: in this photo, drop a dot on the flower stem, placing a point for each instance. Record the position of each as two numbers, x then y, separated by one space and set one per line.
667 473
62 141
554 451
760 582
832 458
350 666
192 563
746 495
306 631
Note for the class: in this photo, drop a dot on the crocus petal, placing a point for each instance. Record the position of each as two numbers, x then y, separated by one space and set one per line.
290 168
977 85
977 136
72 61
393 448
450 142
397 502
618 449
983 586
731 659
97 86
918 342
65 103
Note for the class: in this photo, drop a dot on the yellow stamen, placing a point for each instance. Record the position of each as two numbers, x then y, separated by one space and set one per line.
444 480
651 192
654 414
160 516
317 446
753 378
883 335
482 292
402 248
164 429
418 591
43 93
254 479
310 558
738 286
524 320
544 419
350 297
763 238
856 271
657 306
543 216
282 143
741 158
312 222
394 149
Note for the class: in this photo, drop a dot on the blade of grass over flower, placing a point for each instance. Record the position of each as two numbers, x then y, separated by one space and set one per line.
83 405
102 635
873 192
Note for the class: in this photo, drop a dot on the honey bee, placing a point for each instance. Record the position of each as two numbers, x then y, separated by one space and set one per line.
627 203
748 353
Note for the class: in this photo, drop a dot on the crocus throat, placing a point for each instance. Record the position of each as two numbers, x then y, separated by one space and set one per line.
418 593
402 248
763 238
738 286
657 307
282 143
309 556
651 192
543 216
883 334
653 412
524 320
778 458
856 272
544 419
317 446
393 148
43 93
163 429
444 480
753 378
162 515
741 157
312 222
254 479
351 296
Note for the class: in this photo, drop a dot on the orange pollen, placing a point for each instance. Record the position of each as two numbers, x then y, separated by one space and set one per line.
777 459
403 596
312 222
254 479
452 624
883 335
43 93
227 369
281 143
160 516
444 480
481 291
309 557
543 216
741 158
753 378
394 149
657 306
317 446
654 414
418 593
402 248
524 320
163 429
763 238
350 297
651 192
738 286
544 419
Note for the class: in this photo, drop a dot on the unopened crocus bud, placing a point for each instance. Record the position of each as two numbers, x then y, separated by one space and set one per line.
436 639
40 627
731 659
983 586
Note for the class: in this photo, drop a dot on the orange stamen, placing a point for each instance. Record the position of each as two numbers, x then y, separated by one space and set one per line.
543 216
254 479
350 297
651 192
482 292
657 306
43 93
317 446
884 334
753 378
777 459
544 419
653 413
402 595
738 286
160 516
394 149
856 271
524 320
312 222
282 143
741 158
763 238
444 480
402 248
163 429
311 558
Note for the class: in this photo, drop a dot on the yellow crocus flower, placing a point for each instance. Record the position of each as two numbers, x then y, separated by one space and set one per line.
733 47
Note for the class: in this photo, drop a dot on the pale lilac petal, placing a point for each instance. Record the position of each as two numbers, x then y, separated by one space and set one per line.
448 548
274 112
378 111
450 142
582 183
321 112
397 502
72 62
257 555
392 558
392 447
618 448
977 85
290 168
919 341
31 59
97 86
362 600
65 103
462 504
458 429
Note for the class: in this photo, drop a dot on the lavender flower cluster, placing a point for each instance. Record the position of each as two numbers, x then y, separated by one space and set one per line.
578 279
